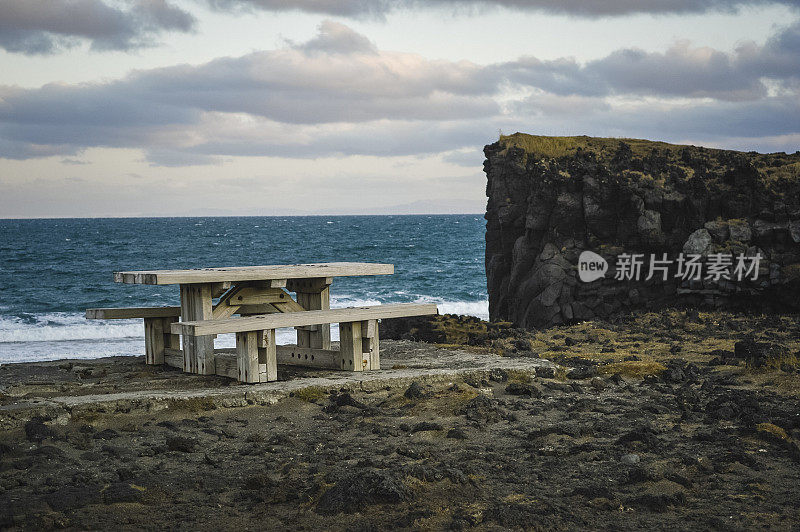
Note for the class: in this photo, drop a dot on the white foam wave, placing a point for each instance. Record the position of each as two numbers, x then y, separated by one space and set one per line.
62 326
57 335
479 309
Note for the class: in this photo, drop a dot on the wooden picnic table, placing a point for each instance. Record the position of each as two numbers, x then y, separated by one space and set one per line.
245 290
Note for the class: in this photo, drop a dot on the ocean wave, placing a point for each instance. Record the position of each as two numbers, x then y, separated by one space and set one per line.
58 335
63 326
479 309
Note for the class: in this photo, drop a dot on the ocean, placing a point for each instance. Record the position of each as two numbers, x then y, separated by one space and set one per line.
51 270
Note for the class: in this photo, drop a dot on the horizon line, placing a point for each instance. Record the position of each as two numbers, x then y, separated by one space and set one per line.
238 216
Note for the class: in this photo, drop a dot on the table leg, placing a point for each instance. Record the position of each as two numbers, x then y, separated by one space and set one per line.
314 294
350 347
370 344
198 351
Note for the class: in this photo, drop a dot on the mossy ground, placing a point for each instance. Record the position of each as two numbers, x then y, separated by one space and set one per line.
644 343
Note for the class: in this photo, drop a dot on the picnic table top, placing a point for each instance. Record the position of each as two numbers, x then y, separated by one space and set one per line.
253 273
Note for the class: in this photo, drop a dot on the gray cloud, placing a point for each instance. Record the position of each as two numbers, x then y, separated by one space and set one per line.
378 9
337 94
46 26
337 38
681 71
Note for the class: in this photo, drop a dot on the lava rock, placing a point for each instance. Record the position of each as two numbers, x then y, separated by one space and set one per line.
519 388
582 372
361 488
414 391
181 444
36 430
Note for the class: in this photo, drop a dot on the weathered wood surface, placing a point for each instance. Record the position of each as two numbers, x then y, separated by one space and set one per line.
268 356
370 344
198 351
158 338
153 341
293 355
131 313
253 273
308 317
173 357
247 356
313 294
350 347
226 361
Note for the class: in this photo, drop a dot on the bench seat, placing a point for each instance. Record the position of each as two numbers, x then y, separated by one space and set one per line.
157 321
132 312
257 355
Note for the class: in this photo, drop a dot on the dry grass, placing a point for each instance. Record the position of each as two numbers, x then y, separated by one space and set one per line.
633 369
554 147
772 430
310 394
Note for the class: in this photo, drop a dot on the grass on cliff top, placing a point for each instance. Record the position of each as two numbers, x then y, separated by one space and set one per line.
555 147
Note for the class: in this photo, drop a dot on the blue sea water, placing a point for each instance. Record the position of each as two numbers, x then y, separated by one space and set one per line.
51 270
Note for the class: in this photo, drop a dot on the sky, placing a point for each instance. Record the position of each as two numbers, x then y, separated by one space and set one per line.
281 107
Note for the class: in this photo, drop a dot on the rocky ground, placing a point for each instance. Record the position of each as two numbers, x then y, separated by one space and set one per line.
662 420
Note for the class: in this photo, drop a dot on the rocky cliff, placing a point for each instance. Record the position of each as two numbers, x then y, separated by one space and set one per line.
648 209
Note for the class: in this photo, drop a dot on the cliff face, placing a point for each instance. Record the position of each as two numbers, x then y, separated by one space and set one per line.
552 198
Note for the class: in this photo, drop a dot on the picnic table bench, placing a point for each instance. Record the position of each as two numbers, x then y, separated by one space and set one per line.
183 336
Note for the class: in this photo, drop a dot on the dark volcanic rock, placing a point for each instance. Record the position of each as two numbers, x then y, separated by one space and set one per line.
359 489
414 391
72 496
552 198
36 430
521 388
483 410
181 444
758 354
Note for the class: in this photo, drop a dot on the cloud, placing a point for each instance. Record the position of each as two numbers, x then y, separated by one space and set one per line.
378 9
338 38
338 95
46 26
681 71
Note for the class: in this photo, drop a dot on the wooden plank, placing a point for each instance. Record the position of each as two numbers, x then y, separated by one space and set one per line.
132 312
350 347
173 357
253 273
198 351
231 302
289 306
245 310
310 285
370 344
171 341
243 294
154 341
267 356
309 317
369 328
313 294
303 335
226 365
247 356
293 355
220 312
218 289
